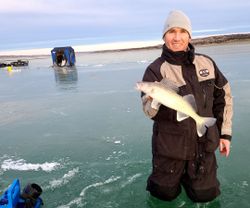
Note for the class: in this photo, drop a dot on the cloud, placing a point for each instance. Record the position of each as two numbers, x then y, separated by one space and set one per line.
39 20
63 12
15 6
72 7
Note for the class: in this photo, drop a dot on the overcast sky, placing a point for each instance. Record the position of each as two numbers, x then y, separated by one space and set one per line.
27 21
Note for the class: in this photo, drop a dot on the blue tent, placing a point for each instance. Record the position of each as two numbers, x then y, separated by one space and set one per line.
63 56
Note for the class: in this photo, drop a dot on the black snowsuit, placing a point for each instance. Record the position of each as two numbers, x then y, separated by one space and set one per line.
180 157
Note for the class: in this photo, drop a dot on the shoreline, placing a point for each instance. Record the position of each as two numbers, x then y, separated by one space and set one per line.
129 46
197 41
218 39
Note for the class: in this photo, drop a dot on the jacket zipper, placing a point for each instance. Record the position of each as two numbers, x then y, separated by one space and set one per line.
204 97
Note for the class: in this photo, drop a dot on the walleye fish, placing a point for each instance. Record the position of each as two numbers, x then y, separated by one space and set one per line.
185 106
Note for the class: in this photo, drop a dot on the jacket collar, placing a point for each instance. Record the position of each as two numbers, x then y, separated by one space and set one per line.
180 57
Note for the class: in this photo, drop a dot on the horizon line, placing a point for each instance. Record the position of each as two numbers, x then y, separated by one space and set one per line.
109 46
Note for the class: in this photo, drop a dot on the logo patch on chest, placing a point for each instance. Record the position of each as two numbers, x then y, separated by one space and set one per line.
204 72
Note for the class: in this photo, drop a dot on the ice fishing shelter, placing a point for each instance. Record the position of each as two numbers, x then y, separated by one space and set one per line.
63 56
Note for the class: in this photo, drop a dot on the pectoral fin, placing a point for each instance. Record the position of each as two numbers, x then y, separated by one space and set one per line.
155 104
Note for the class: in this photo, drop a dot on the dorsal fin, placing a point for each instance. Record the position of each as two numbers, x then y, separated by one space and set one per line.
169 84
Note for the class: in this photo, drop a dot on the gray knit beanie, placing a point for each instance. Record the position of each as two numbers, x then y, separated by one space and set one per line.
177 18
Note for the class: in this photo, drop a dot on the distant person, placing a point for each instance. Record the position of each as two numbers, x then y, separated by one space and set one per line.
60 59
180 157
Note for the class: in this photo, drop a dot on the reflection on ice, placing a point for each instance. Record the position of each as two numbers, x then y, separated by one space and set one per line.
66 77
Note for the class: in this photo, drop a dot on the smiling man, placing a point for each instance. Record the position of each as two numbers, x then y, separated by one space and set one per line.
177 39
177 31
180 157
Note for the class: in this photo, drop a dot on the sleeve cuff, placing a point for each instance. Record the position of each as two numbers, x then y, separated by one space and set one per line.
225 136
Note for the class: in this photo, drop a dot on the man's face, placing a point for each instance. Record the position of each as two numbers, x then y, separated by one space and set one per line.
177 39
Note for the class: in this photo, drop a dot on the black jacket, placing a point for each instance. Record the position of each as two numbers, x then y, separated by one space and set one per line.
195 74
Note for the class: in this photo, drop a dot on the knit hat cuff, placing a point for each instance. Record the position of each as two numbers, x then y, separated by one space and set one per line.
177 19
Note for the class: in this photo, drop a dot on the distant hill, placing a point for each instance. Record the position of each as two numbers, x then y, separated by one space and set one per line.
221 39
213 39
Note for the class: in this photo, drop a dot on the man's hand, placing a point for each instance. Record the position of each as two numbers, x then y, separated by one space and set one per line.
224 147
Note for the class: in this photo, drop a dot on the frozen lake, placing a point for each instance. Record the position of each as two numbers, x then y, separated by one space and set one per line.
81 133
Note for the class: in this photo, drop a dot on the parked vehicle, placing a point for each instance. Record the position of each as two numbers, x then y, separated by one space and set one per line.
2 65
20 63
15 63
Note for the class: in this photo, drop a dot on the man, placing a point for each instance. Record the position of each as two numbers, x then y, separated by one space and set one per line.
180 157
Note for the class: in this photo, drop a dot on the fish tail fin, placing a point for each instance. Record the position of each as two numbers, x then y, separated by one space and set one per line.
202 127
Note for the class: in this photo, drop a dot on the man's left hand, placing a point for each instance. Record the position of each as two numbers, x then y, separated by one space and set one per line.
224 147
